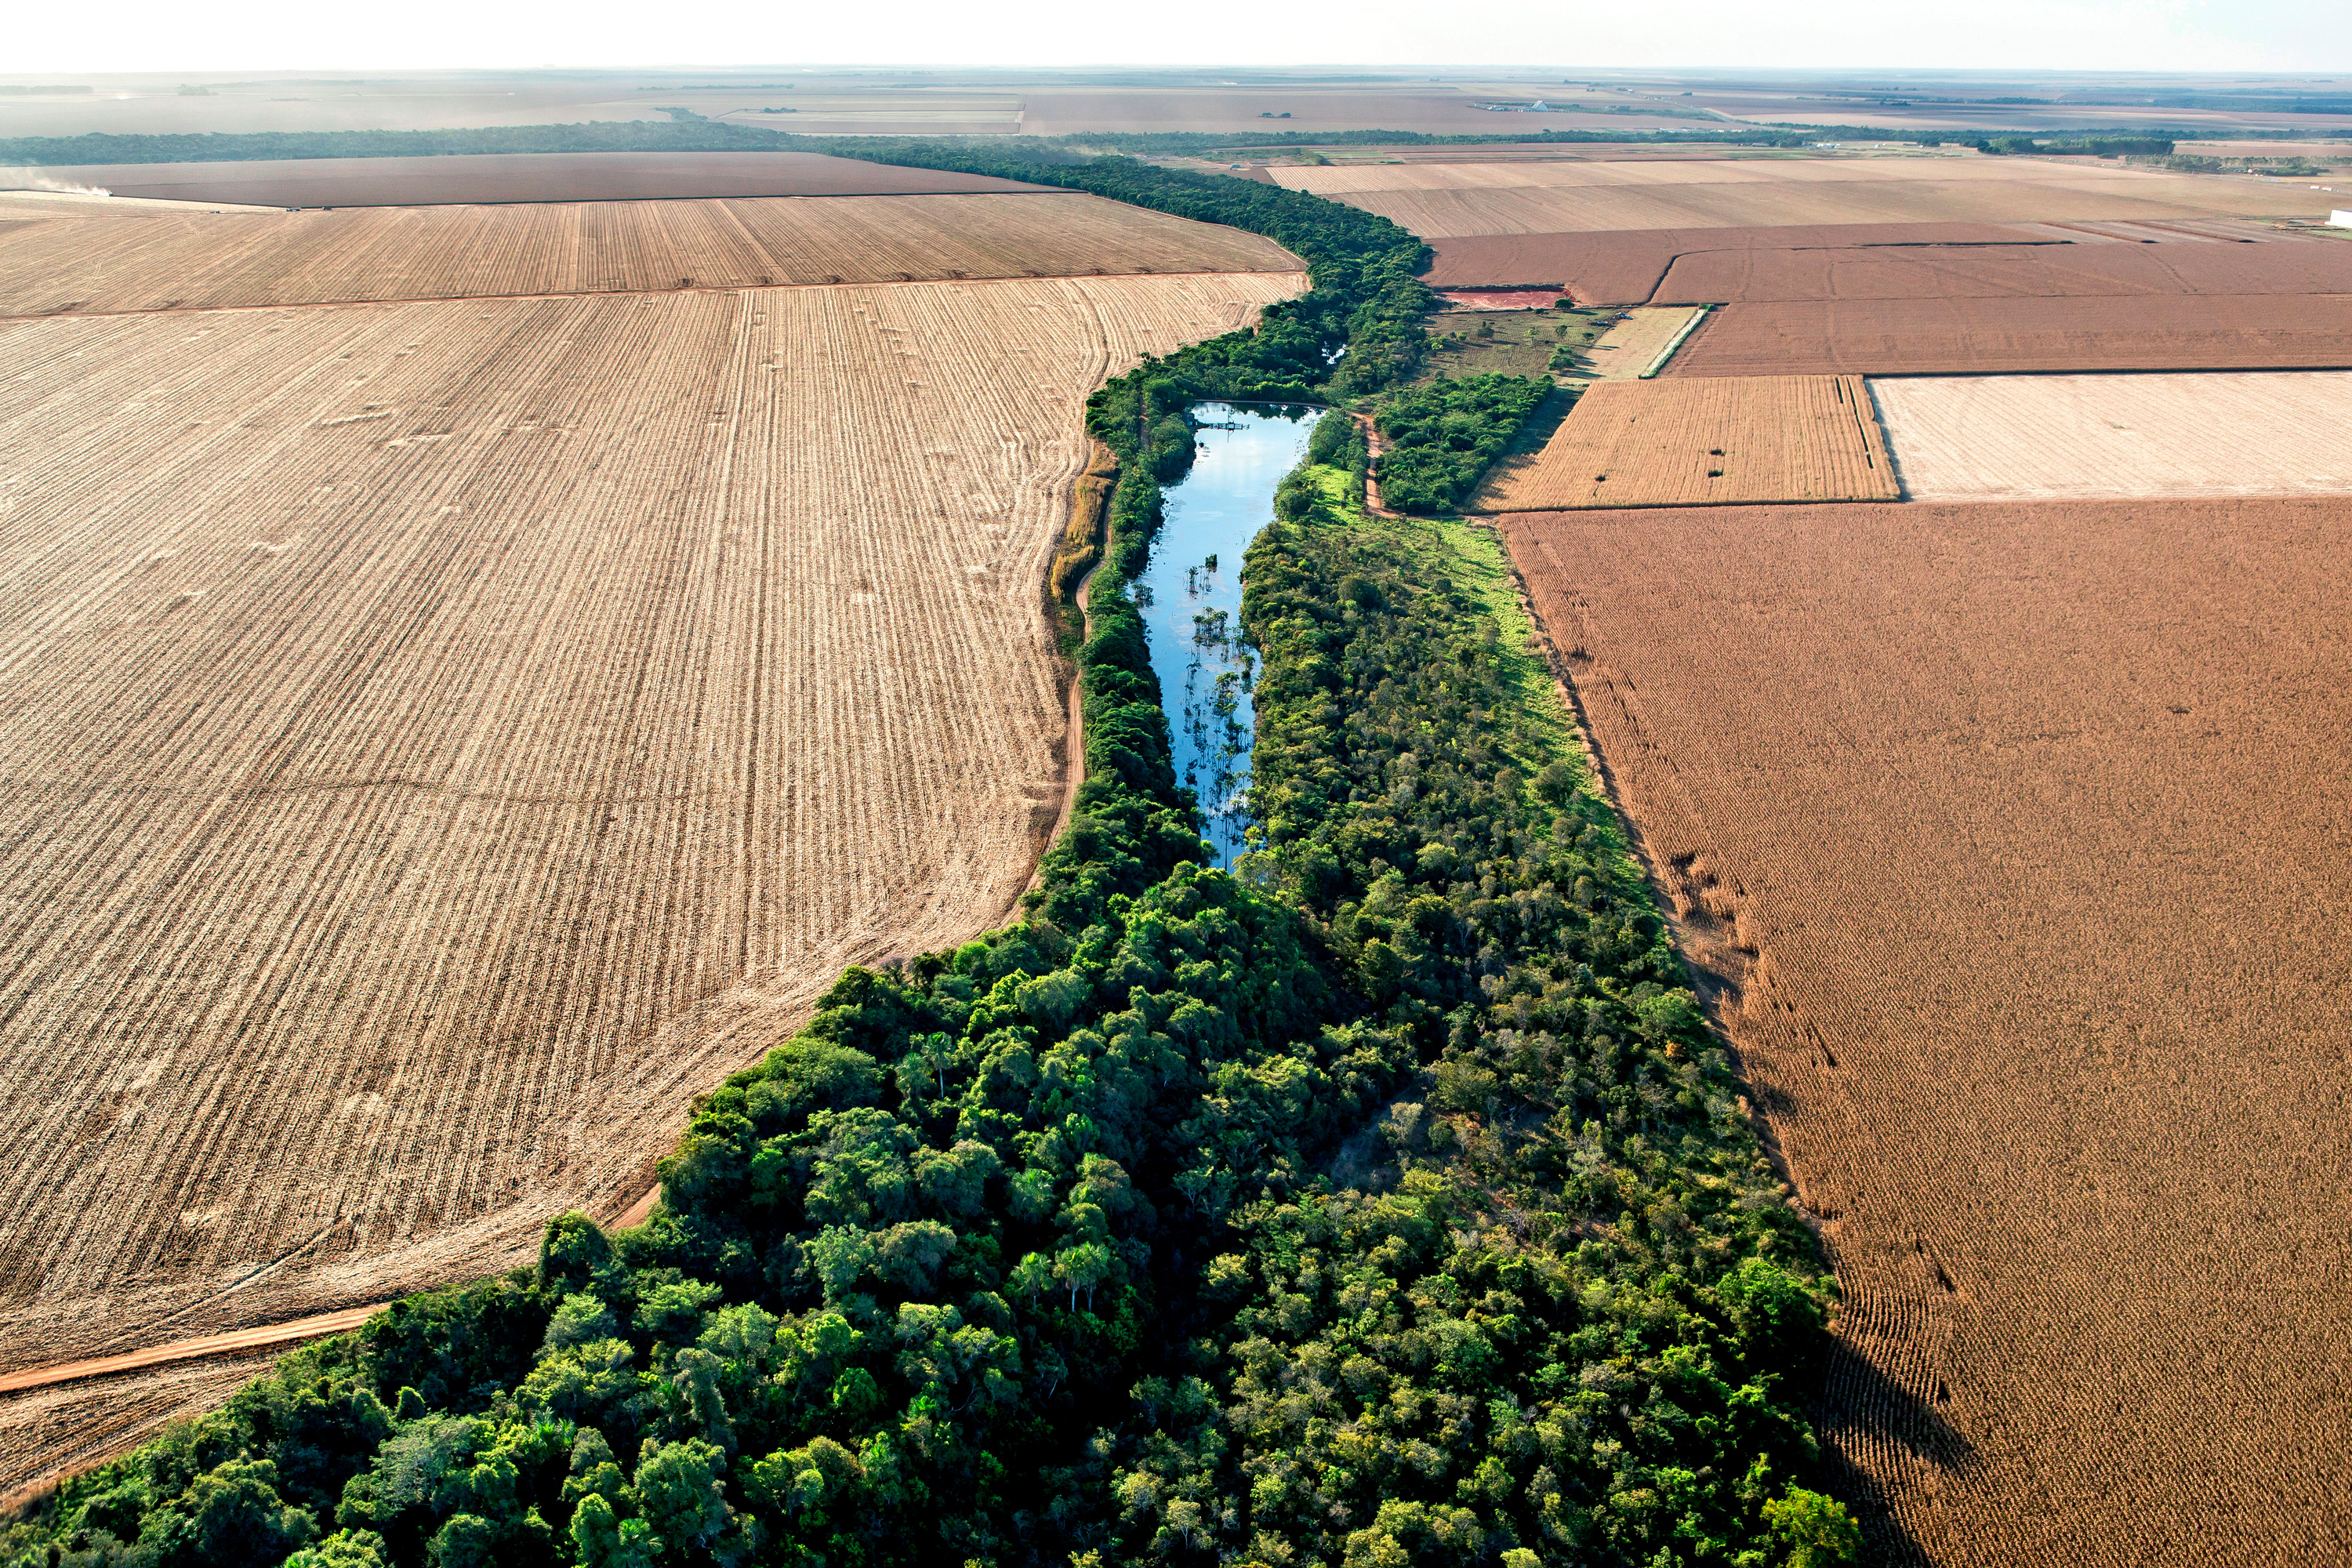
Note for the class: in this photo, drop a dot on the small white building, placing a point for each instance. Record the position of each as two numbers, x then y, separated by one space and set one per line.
2339 219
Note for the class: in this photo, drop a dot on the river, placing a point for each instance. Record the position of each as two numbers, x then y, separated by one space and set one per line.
1191 604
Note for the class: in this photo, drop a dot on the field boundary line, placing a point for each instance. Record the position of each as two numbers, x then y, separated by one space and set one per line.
1699 314
625 293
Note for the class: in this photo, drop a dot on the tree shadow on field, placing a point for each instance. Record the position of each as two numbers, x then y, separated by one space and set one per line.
1862 1411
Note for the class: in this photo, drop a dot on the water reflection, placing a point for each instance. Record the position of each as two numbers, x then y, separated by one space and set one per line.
1192 603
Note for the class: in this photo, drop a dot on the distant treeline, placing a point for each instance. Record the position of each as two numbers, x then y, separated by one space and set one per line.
722 136
2099 146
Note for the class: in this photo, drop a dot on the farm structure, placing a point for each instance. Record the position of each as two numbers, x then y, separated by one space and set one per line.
522 177
2033 437
2011 838
442 738
1438 200
146 259
1985 335
1689 442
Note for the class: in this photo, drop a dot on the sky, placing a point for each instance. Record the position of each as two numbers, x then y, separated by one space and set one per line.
2202 35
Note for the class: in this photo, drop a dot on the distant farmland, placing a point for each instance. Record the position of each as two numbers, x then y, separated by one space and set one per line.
1436 200
522 177
1984 336
2012 837
152 259
2298 264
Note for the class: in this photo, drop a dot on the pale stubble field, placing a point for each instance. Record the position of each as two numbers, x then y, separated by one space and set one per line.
436 739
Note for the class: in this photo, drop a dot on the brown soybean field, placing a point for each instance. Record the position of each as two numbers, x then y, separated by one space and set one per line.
1624 266
1984 336
440 737
2013 836
2294 266
152 259
2029 438
1700 443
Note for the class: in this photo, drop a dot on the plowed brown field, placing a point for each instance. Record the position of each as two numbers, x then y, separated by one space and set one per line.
1928 337
1702 443
146 260
1445 199
522 177
2015 835
437 740
1624 266
2309 267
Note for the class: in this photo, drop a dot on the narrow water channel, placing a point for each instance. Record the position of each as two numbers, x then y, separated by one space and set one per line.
1192 603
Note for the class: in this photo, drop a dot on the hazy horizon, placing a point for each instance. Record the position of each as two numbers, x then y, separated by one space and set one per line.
2276 36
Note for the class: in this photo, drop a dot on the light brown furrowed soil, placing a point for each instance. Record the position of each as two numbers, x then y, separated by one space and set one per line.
1703 443
1931 337
2303 267
1624 266
1445 199
1627 350
2017 833
437 740
144 260
2042 438
523 177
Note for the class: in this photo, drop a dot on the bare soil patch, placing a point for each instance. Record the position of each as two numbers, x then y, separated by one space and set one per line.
2035 437
1699 443
437 740
2017 833
524 177
1928 337
1500 299
147 261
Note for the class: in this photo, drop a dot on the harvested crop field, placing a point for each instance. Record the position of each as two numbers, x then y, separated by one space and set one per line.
437 739
1624 266
1437 200
1932 337
2041 437
1703 443
2015 835
523 177
2006 271
147 261
1627 351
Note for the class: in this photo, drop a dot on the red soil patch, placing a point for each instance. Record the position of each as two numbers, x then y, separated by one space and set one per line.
1620 266
2013 836
2304 266
1500 299
1917 337
524 177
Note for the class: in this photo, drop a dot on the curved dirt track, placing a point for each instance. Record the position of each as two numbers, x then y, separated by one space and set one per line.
240 1341
2014 836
